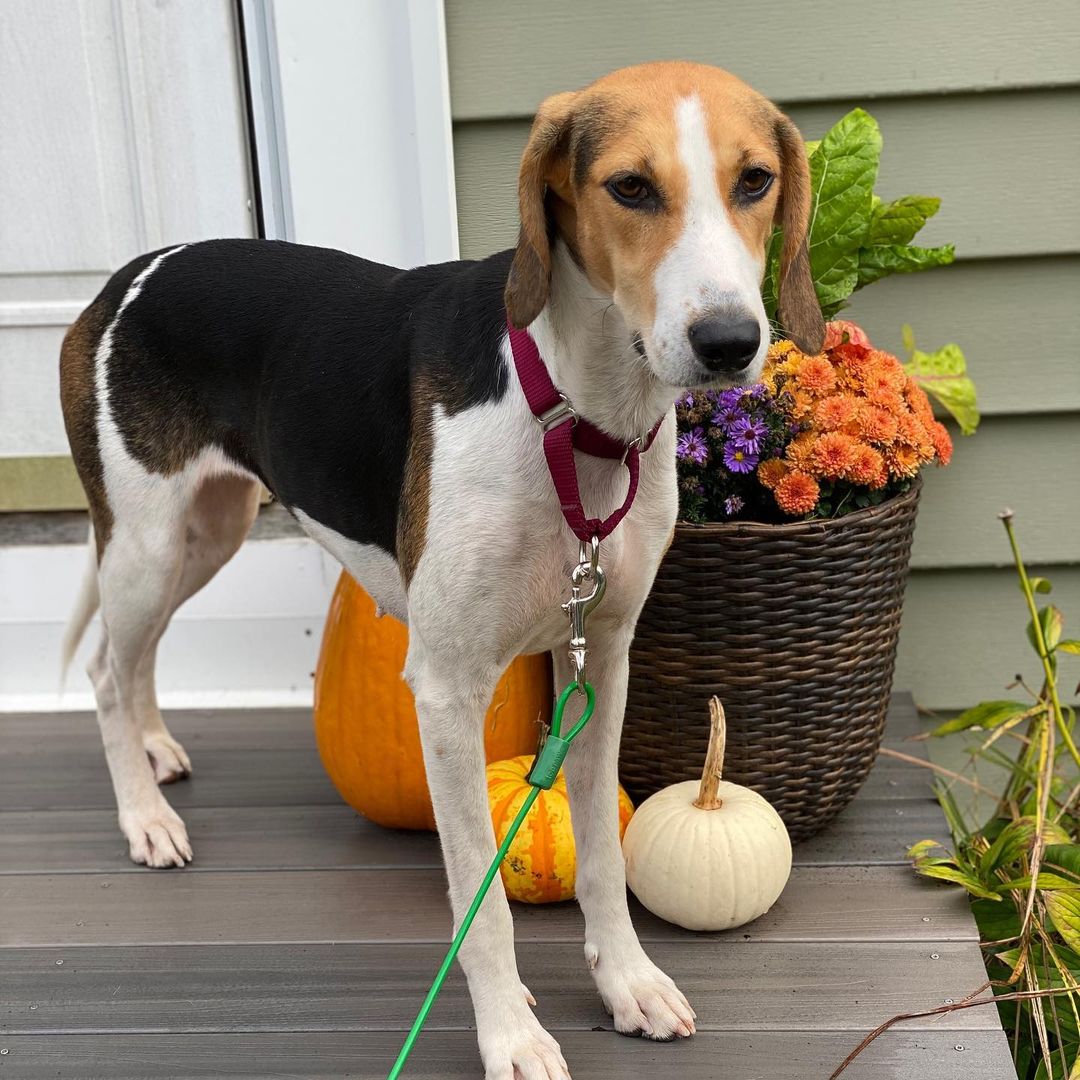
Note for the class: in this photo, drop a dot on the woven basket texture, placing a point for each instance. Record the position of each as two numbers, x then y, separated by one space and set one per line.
795 627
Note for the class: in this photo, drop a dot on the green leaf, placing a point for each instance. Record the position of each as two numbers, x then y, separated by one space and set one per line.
881 260
1039 584
943 375
951 873
1051 621
898 222
987 715
997 922
1065 857
1064 908
1015 840
919 850
843 168
1070 645
1044 883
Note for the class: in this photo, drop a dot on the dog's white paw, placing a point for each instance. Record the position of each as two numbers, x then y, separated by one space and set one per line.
168 757
156 836
639 996
515 1046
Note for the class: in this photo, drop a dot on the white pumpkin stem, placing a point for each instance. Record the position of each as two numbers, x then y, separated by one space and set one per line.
714 760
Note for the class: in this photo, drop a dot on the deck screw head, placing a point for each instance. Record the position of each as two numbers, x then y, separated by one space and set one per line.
105 884
4 1050
933 956
32 1008
947 1001
958 1047
59 962
926 918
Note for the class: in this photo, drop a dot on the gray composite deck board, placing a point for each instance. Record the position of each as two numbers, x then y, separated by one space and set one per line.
301 941
322 987
776 1055
830 903
334 838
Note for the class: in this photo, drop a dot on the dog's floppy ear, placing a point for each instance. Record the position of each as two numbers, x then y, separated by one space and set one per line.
545 163
798 305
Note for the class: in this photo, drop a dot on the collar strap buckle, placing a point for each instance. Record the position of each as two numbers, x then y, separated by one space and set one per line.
558 414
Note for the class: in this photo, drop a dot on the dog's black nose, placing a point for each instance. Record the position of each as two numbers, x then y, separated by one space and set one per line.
723 344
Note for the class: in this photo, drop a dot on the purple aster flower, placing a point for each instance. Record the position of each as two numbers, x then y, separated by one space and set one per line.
731 397
738 460
688 400
759 391
747 433
733 505
692 445
699 490
726 417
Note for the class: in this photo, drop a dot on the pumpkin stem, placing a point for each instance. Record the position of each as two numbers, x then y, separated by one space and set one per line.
714 760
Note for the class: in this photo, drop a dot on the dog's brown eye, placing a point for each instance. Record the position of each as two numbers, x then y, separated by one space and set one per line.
633 191
755 182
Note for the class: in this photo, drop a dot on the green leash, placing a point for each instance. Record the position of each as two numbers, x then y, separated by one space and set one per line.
542 775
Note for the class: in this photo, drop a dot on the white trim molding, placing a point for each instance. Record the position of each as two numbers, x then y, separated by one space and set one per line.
350 103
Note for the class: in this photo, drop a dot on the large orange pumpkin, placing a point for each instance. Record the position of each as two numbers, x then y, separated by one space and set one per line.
540 866
365 720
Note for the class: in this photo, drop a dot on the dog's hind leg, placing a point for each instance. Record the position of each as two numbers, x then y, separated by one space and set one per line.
215 525
140 570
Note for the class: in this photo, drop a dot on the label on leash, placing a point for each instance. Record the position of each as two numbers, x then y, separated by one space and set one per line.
548 762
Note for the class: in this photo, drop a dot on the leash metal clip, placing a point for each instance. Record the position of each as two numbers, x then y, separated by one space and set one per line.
579 606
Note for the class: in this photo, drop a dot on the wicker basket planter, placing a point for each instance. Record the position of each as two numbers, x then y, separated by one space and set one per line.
795 627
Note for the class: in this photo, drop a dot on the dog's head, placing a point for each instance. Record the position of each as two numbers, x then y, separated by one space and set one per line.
665 181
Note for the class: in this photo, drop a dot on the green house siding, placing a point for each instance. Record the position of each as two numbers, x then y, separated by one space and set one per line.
979 102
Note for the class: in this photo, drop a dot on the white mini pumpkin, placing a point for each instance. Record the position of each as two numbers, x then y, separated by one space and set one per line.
707 856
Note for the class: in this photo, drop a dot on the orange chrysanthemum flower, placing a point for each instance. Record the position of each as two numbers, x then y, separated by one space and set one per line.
911 432
877 425
800 451
797 493
939 436
832 454
780 349
771 472
853 365
866 466
836 412
803 405
918 402
816 375
903 461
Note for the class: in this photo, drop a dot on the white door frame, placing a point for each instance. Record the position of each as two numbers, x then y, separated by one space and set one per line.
350 109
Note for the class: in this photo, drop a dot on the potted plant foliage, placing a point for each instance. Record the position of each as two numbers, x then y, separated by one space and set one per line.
782 589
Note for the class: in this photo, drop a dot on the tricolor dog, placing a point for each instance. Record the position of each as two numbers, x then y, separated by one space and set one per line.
382 408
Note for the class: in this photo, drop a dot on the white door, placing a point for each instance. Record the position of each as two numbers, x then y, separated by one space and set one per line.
122 129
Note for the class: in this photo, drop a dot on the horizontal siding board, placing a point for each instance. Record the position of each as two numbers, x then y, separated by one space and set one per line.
779 1055
970 150
963 637
740 986
1030 463
1007 316
506 57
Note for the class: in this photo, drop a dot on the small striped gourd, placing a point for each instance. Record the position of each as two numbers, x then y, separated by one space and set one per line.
540 866
707 856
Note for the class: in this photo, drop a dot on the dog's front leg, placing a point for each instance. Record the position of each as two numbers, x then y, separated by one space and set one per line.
451 699
639 996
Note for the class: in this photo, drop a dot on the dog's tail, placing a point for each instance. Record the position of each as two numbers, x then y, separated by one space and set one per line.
86 604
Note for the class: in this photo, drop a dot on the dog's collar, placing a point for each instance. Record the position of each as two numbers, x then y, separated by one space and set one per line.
564 432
